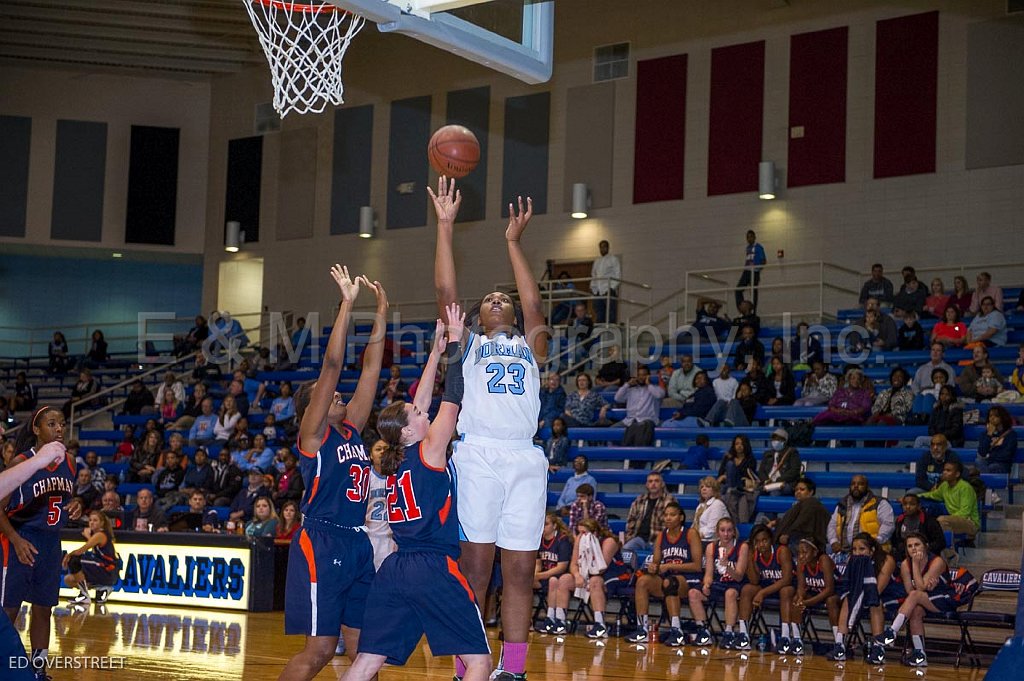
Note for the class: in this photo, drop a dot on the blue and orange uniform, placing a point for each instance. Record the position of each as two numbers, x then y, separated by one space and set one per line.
769 570
942 595
618 576
36 512
419 588
99 564
678 551
330 560
552 552
814 578
724 582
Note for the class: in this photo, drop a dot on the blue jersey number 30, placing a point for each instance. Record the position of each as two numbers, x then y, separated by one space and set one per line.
497 383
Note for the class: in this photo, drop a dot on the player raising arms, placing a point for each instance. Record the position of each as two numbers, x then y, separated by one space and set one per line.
330 561
33 515
502 476
419 590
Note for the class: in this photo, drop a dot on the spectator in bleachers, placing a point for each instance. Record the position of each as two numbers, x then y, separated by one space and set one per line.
929 467
961 296
709 323
916 519
244 389
892 405
227 419
782 385
605 275
680 386
9 451
111 507
300 336
552 562
696 407
988 326
263 361
97 354
227 480
805 349
911 297
581 476
643 405
877 287
738 478
748 346
761 387
258 456
587 507
176 444
910 335
923 375
968 378
206 372
86 385
198 518
91 463
860 511
289 522
997 446
959 499
819 386
283 406
146 516
193 340
264 519
950 331
203 430
173 385
170 408
850 404
710 509
563 296
198 475
738 412
289 483
747 317
85 490
674 568
946 417
242 504
780 466
168 481
725 385
274 434
778 349
192 408
937 301
1017 377
393 389
578 332
60 360
644 521
807 517
240 437
143 462
664 374
754 259
987 386
552 399
613 373
985 289
138 399
877 332
24 393
556 447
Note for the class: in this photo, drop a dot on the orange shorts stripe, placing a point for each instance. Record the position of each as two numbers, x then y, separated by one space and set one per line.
453 569
313 489
307 550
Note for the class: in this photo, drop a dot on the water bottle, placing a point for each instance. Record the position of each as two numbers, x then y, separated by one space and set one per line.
762 642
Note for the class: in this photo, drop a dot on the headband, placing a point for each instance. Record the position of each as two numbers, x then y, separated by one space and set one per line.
39 411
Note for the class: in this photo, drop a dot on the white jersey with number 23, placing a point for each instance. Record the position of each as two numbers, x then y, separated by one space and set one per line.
501 399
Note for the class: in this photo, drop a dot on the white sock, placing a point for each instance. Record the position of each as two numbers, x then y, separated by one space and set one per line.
918 641
785 630
599 616
897 623
675 623
643 622
728 627
743 626
835 632
839 638
551 613
559 613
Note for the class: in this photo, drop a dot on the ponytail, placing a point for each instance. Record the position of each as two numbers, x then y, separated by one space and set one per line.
389 424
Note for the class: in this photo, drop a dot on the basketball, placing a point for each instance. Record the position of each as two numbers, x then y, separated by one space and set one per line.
453 151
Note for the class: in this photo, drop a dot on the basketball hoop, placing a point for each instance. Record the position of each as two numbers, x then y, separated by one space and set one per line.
305 45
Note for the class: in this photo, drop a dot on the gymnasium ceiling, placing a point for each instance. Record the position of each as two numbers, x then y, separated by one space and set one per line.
191 38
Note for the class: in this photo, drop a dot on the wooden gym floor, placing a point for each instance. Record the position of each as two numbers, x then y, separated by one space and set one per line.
193 645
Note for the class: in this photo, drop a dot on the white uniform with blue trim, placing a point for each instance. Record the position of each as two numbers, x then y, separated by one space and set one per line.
502 491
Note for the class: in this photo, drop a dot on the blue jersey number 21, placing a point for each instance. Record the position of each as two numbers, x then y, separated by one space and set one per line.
515 372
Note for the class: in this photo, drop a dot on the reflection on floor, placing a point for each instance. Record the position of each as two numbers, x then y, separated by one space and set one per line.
174 644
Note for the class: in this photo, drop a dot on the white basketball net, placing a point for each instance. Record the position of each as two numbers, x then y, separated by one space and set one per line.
304 44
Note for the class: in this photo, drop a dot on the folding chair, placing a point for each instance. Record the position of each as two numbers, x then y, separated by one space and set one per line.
993 581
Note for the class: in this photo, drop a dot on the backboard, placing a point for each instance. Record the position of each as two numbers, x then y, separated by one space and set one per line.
510 36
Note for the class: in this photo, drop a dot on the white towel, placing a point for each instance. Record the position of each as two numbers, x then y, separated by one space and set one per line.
590 562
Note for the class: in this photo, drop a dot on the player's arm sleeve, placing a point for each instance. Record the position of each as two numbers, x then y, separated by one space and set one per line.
453 383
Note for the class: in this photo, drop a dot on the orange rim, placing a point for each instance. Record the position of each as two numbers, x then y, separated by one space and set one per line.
301 6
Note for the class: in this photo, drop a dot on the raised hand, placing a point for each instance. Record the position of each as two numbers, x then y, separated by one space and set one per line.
349 287
456 322
378 290
440 341
517 223
447 199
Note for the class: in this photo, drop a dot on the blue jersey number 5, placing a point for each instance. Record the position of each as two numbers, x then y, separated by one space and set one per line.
498 371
